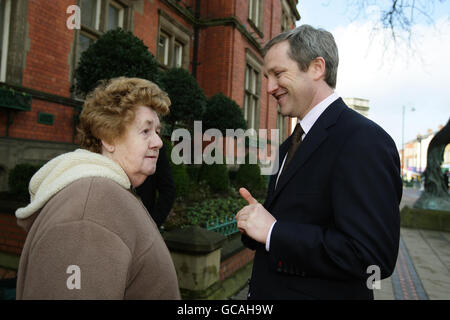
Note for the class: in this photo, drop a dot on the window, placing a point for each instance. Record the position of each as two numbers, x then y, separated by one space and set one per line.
173 43
97 17
255 12
90 13
5 11
281 125
84 41
170 50
251 98
115 16
285 24
288 15
163 49
178 54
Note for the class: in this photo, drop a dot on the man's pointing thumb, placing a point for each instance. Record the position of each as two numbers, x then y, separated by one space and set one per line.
247 196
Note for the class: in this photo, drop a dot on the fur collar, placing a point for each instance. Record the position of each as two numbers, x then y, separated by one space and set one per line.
65 169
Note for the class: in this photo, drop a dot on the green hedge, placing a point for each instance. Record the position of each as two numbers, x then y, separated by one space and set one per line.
249 176
19 178
425 219
116 53
179 172
216 176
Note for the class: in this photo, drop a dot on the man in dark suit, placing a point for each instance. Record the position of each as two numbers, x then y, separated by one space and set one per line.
160 182
330 223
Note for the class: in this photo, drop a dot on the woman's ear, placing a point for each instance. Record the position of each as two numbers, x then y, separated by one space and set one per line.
107 146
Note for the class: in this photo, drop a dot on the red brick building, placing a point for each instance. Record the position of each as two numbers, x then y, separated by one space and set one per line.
218 41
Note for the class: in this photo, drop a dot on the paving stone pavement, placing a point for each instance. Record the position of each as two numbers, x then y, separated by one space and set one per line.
422 271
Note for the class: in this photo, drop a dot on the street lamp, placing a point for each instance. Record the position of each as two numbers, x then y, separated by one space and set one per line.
403 137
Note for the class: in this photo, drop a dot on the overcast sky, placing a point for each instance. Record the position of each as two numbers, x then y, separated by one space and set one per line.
390 76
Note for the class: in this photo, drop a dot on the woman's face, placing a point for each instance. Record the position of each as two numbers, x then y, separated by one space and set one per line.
137 151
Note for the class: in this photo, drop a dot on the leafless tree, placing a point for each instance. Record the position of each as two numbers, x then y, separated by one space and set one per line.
398 16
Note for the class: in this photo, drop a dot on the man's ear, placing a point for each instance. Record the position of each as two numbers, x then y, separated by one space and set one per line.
107 146
318 68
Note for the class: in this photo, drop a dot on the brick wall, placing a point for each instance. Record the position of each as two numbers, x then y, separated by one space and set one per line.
25 123
12 237
235 262
48 59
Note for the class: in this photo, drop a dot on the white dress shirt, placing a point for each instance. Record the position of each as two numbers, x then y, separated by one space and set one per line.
306 123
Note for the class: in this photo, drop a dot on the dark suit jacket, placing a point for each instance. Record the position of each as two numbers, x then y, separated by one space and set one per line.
337 211
162 182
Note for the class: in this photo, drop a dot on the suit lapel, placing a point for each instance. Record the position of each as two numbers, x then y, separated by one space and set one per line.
273 178
315 137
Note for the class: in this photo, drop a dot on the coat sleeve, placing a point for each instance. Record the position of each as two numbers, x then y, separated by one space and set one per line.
77 260
165 186
365 193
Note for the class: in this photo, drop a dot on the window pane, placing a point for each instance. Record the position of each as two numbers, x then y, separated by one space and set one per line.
246 97
250 80
83 43
89 13
163 49
256 13
2 21
247 74
113 17
252 114
255 81
178 54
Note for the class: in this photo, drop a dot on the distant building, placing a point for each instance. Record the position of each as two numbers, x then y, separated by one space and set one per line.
416 151
359 105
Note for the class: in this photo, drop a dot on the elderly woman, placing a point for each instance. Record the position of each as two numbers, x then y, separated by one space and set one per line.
89 237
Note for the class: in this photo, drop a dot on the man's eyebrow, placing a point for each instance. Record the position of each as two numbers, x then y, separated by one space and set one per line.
267 71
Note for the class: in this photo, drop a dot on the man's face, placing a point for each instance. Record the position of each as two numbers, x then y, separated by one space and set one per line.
292 88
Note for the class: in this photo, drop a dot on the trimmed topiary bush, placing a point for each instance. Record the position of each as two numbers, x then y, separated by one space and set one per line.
216 176
116 53
188 99
179 172
249 176
223 113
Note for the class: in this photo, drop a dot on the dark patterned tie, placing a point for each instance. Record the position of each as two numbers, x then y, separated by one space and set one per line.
296 139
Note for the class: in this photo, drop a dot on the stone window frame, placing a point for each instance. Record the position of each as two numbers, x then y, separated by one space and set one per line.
177 35
252 93
281 125
18 43
286 16
6 19
257 22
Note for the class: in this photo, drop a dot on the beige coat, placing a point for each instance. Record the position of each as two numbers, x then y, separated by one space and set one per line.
93 239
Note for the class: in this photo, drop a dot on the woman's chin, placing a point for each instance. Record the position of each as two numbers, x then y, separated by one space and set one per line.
136 181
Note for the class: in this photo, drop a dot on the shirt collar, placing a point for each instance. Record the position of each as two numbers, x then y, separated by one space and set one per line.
311 117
